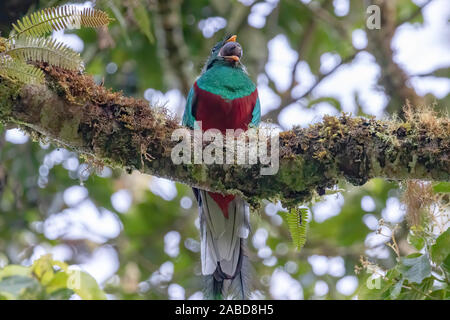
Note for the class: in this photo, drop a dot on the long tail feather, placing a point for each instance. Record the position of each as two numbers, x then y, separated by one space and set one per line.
225 264
240 286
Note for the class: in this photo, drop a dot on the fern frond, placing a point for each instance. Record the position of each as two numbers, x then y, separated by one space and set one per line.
297 220
45 50
59 18
20 71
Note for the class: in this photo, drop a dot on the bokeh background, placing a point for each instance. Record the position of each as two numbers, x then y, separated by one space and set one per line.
137 234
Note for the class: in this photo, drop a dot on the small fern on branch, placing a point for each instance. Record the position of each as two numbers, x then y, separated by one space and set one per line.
45 50
297 221
20 71
53 19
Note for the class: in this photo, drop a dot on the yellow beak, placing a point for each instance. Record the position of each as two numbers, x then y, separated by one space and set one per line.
232 39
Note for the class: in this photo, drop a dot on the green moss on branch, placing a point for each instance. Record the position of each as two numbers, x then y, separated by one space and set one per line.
125 132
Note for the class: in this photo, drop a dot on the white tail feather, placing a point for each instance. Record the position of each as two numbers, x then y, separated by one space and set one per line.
222 241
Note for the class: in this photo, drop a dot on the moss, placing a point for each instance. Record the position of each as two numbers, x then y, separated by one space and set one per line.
9 91
69 130
50 118
291 173
375 165
198 172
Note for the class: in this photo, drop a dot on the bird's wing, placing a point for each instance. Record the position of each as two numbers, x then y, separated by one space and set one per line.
189 110
256 114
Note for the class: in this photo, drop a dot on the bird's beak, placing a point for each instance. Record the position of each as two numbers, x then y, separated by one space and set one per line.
232 39
235 58
231 50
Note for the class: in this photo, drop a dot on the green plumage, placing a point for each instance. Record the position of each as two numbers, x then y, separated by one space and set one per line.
229 83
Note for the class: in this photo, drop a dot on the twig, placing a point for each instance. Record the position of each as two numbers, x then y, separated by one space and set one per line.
274 113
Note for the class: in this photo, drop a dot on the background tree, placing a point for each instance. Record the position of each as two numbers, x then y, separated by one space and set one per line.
136 234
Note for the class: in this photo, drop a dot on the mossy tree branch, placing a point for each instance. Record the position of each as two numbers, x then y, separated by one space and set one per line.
74 112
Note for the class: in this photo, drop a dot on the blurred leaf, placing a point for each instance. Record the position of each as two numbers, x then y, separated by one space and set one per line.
61 294
406 9
43 268
120 18
333 101
415 267
415 240
85 285
143 21
396 289
14 270
446 264
441 187
441 73
419 292
441 249
17 285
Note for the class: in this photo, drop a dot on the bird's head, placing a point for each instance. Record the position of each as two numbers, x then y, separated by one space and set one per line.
226 52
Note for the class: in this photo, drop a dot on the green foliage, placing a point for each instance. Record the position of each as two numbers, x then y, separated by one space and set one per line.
440 251
297 221
442 187
416 276
26 45
45 50
20 71
415 267
47 279
143 21
54 19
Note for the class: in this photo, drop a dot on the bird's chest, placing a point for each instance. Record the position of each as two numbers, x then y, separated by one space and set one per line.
218 112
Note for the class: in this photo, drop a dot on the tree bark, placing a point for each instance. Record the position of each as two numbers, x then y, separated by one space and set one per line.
74 112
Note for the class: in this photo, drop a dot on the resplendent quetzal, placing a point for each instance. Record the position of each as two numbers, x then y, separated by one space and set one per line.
223 97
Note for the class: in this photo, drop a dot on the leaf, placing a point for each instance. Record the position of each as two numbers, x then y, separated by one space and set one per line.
332 101
415 267
446 264
420 292
59 18
396 289
369 290
441 249
14 270
17 285
443 187
84 285
143 21
61 294
442 73
45 50
59 281
43 269
297 221
415 240
20 71
6 296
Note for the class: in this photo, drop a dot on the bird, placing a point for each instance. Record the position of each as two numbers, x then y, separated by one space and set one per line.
223 97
